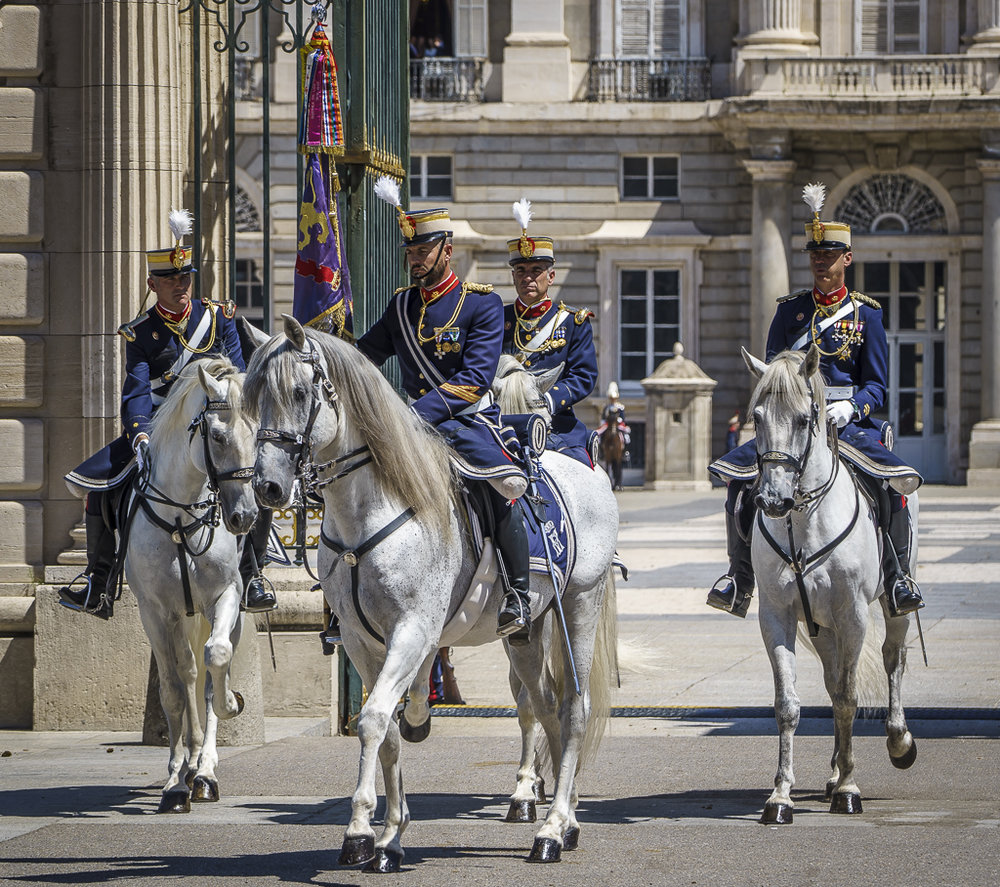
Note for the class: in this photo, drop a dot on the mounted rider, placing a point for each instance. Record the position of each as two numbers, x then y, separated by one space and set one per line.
613 415
543 336
847 328
447 336
158 344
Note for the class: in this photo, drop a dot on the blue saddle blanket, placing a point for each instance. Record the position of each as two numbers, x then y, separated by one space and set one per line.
553 528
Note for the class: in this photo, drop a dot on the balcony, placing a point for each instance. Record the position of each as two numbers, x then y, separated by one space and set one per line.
649 80
893 76
447 79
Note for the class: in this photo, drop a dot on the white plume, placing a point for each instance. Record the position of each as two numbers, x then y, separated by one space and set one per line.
522 212
387 189
814 195
180 222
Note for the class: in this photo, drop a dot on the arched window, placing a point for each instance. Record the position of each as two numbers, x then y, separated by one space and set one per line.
892 203
247 216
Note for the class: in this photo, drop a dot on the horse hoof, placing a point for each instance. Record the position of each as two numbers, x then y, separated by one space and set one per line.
521 811
357 850
846 802
538 789
385 861
905 760
205 789
177 801
545 850
240 704
777 814
414 734
830 786
571 840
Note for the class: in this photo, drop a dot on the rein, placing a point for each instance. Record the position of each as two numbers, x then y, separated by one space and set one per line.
147 494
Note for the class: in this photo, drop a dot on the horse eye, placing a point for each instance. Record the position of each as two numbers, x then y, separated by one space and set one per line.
219 436
299 393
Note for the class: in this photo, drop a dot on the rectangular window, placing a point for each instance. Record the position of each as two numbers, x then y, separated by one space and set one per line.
649 319
430 177
650 29
471 17
249 294
647 177
887 27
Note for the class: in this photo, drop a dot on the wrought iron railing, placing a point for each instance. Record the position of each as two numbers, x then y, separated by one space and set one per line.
649 80
898 76
447 79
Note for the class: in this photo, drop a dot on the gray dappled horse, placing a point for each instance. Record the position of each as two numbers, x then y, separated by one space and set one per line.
182 564
817 560
396 563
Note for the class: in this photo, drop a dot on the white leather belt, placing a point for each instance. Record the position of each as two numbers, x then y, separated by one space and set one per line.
839 392
481 404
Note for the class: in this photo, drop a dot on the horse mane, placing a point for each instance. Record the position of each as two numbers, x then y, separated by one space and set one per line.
171 420
783 382
410 458
514 387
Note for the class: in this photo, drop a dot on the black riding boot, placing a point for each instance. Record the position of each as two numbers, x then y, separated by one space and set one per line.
734 591
94 597
257 597
901 592
511 541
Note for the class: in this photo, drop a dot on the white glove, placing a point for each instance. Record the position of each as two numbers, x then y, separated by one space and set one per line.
841 410
142 453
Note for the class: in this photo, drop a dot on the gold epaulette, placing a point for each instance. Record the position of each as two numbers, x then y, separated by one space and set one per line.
867 300
477 287
127 330
228 306
582 315
794 295
403 289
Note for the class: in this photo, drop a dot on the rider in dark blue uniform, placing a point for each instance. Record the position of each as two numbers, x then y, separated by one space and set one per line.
543 335
446 335
847 328
158 344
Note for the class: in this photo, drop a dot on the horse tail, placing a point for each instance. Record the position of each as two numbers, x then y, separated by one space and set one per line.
603 671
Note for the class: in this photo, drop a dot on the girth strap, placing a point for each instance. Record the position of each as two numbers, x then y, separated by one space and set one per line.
799 566
352 557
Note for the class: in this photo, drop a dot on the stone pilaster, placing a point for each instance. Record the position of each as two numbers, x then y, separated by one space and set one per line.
984 443
986 40
536 56
772 219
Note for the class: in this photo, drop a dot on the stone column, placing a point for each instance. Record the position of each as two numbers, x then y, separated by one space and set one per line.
536 57
984 443
986 40
772 220
769 29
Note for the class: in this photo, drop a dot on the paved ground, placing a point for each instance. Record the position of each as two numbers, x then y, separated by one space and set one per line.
671 800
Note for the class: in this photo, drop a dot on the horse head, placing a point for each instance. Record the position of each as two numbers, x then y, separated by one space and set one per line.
518 391
289 385
226 448
787 406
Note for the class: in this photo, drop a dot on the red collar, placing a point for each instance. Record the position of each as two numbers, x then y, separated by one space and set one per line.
530 312
445 286
828 299
169 315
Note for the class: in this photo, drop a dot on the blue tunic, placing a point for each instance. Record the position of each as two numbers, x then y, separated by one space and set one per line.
448 349
558 336
151 350
853 354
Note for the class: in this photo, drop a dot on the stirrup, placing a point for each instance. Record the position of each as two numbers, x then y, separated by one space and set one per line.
734 601
71 604
269 598
914 599
514 622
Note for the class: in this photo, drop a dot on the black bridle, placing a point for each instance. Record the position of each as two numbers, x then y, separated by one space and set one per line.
147 494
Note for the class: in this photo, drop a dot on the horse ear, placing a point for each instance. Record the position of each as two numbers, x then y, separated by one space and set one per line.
811 363
757 367
294 331
212 386
549 378
257 337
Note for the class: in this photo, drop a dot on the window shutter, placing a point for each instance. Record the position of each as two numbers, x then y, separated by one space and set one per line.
874 27
907 24
470 28
633 28
668 29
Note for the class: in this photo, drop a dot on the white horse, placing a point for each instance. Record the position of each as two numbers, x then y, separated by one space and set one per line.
183 566
397 562
816 556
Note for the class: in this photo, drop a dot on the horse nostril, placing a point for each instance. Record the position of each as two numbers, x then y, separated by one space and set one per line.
787 503
267 491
